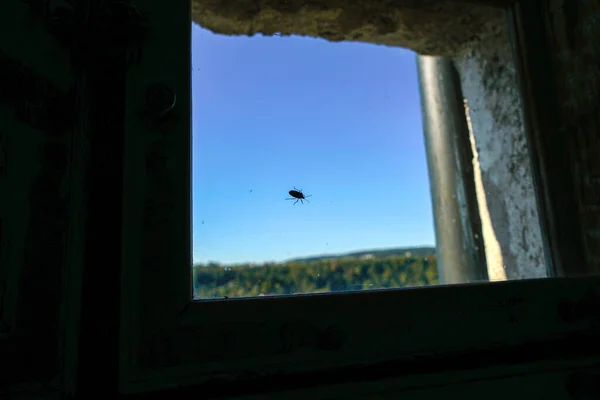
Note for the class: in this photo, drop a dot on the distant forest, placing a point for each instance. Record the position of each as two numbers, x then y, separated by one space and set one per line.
390 268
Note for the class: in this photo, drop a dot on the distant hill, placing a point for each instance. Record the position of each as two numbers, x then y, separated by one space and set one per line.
400 251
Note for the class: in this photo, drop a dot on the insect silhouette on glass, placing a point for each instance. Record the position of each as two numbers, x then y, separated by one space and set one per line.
298 196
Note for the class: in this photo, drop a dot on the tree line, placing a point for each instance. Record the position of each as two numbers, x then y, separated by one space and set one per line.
314 276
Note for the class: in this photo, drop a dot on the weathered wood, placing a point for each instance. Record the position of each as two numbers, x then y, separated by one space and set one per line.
491 374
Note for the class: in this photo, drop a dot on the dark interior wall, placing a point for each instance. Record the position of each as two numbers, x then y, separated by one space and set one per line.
36 114
61 103
572 29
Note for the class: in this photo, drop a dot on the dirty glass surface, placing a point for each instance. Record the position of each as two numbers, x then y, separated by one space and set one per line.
309 168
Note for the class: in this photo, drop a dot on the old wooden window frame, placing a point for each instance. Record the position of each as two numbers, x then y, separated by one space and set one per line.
168 340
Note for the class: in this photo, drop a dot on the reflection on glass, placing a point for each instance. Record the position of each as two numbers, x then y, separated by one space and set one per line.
279 118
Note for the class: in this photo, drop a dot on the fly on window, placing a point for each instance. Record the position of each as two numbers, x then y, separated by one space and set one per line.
323 167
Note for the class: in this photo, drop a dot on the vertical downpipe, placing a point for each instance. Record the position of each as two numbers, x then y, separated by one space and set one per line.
459 240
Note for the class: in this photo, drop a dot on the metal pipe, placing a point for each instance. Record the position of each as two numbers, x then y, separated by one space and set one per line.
459 240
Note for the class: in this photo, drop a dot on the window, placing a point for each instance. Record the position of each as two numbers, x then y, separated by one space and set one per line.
340 121
171 340
343 120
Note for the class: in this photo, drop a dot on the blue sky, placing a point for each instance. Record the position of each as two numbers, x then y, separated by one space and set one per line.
341 121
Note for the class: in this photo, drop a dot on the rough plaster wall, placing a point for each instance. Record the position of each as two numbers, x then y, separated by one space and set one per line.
489 83
429 27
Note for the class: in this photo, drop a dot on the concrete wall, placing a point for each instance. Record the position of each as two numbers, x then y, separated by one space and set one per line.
489 83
